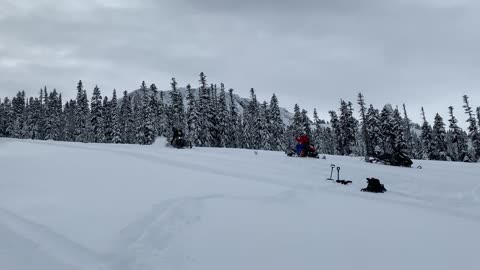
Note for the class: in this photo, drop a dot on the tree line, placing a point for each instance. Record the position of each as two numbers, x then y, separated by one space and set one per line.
210 117
389 131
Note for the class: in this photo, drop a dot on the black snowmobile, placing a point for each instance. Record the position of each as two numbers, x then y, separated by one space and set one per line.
311 152
178 140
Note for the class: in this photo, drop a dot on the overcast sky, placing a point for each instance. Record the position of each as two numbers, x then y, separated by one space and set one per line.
311 52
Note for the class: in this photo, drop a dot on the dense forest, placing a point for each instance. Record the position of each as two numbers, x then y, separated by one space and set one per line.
211 118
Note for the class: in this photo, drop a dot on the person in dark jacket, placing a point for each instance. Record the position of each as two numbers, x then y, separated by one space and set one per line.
177 133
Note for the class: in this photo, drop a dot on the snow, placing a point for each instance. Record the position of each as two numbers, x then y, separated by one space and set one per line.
98 206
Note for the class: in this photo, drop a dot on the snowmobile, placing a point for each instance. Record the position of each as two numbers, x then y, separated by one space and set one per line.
311 152
180 142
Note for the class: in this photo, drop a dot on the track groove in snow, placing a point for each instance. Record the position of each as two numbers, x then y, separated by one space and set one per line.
58 247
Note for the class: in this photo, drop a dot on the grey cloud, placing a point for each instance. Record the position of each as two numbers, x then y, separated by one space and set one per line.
423 53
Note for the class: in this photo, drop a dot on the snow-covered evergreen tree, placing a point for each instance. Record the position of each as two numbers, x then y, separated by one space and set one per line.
8 121
96 117
439 139
277 127
43 113
264 130
223 117
138 120
408 132
336 132
147 120
399 142
457 144
70 109
374 131
386 128
52 116
82 114
365 135
347 128
297 127
233 123
19 119
478 116
205 126
116 130
191 116
125 115
427 139
473 132
306 122
107 120
177 107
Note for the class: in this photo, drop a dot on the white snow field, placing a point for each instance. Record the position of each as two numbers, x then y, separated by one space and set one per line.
119 207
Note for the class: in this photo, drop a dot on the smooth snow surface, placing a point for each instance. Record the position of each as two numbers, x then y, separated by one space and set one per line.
121 207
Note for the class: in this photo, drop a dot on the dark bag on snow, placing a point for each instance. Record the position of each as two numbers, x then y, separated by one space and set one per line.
374 185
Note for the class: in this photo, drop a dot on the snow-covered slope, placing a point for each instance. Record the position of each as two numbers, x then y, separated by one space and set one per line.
118 207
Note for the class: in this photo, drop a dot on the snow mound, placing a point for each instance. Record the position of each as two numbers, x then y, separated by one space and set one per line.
160 142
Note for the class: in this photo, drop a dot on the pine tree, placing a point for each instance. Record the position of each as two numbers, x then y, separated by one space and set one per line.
365 134
96 117
18 107
427 139
328 141
62 119
374 131
399 142
264 130
233 123
417 146
386 129
478 116
157 110
408 132
317 133
191 116
33 117
82 114
223 117
473 132
336 133
240 132
212 117
147 117
205 137
70 109
306 123
439 139
347 128
125 116
8 118
116 130
42 113
107 120
177 108
277 127
52 116
297 126
138 120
